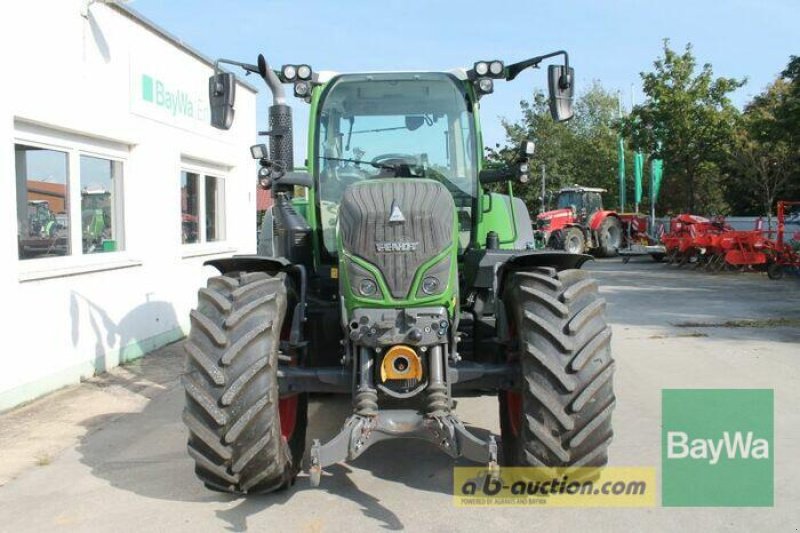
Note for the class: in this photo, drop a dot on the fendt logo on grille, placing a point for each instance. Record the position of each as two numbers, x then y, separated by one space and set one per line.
396 216
396 246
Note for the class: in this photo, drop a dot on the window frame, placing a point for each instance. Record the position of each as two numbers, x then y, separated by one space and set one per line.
75 145
204 170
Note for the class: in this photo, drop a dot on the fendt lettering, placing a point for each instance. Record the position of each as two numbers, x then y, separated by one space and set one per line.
396 246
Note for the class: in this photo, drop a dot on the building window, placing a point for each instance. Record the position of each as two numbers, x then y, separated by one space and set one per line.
50 183
42 201
190 213
202 207
101 181
215 200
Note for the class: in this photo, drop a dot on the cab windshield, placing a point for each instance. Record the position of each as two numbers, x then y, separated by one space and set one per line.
398 126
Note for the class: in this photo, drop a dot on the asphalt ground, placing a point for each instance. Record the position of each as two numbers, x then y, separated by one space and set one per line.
109 455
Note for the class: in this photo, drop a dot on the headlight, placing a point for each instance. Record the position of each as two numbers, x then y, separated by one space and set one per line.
367 287
496 68
435 279
485 85
304 72
259 151
430 285
301 89
289 72
481 68
362 282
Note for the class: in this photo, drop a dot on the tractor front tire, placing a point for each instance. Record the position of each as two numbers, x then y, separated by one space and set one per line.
562 415
233 413
609 237
574 241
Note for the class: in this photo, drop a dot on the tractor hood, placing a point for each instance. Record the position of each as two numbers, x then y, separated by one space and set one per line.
556 217
399 227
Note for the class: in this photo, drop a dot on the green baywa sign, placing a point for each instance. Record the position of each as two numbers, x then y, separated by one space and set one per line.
717 447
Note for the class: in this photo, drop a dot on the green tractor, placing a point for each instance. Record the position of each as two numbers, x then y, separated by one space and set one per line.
387 273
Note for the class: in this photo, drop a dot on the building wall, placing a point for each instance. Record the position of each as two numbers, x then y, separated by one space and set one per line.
92 85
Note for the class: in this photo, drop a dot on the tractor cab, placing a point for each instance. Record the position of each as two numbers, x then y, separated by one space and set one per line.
583 201
395 126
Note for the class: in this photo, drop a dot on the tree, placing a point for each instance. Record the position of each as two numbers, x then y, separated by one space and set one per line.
688 121
788 111
766 151
582 150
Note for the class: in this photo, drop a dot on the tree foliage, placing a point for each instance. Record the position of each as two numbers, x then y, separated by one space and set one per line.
763 158
582 151
717 160
689 121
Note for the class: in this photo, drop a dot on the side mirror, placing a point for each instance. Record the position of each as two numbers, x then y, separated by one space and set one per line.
221 95
561 85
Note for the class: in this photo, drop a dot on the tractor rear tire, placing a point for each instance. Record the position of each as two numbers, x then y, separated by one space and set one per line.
609 237
236 437
574 241
562 416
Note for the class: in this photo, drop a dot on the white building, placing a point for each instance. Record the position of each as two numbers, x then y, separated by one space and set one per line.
116 189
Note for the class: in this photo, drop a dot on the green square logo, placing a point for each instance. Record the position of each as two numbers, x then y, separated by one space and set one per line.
147 88
717 447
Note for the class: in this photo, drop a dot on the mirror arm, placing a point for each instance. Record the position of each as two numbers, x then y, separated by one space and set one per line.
246 66
512 71
269 77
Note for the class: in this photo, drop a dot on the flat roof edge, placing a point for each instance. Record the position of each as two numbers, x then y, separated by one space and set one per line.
158 30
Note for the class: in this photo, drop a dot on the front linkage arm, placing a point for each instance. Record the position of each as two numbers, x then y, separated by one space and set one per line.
360 432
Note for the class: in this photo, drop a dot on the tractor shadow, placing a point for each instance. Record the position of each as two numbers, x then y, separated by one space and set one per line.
418 465
145 453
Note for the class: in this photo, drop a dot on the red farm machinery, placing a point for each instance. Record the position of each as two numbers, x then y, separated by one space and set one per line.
580 224
714 245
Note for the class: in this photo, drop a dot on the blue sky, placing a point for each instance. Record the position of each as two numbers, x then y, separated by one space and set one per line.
610 41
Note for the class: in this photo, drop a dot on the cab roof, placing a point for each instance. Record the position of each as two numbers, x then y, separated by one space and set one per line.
579 188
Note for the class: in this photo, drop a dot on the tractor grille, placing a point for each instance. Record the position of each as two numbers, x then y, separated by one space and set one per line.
397 248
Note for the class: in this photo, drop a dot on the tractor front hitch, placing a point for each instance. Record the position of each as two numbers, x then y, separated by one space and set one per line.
360 432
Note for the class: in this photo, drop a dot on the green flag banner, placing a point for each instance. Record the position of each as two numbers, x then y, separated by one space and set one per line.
638 170
621 172
656 173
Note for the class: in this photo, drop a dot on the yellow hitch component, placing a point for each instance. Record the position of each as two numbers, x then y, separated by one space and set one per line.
401 362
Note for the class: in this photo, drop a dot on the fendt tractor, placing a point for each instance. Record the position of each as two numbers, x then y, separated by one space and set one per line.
387 273
579 224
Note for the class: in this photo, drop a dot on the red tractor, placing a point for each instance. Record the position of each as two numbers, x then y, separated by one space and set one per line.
579 224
